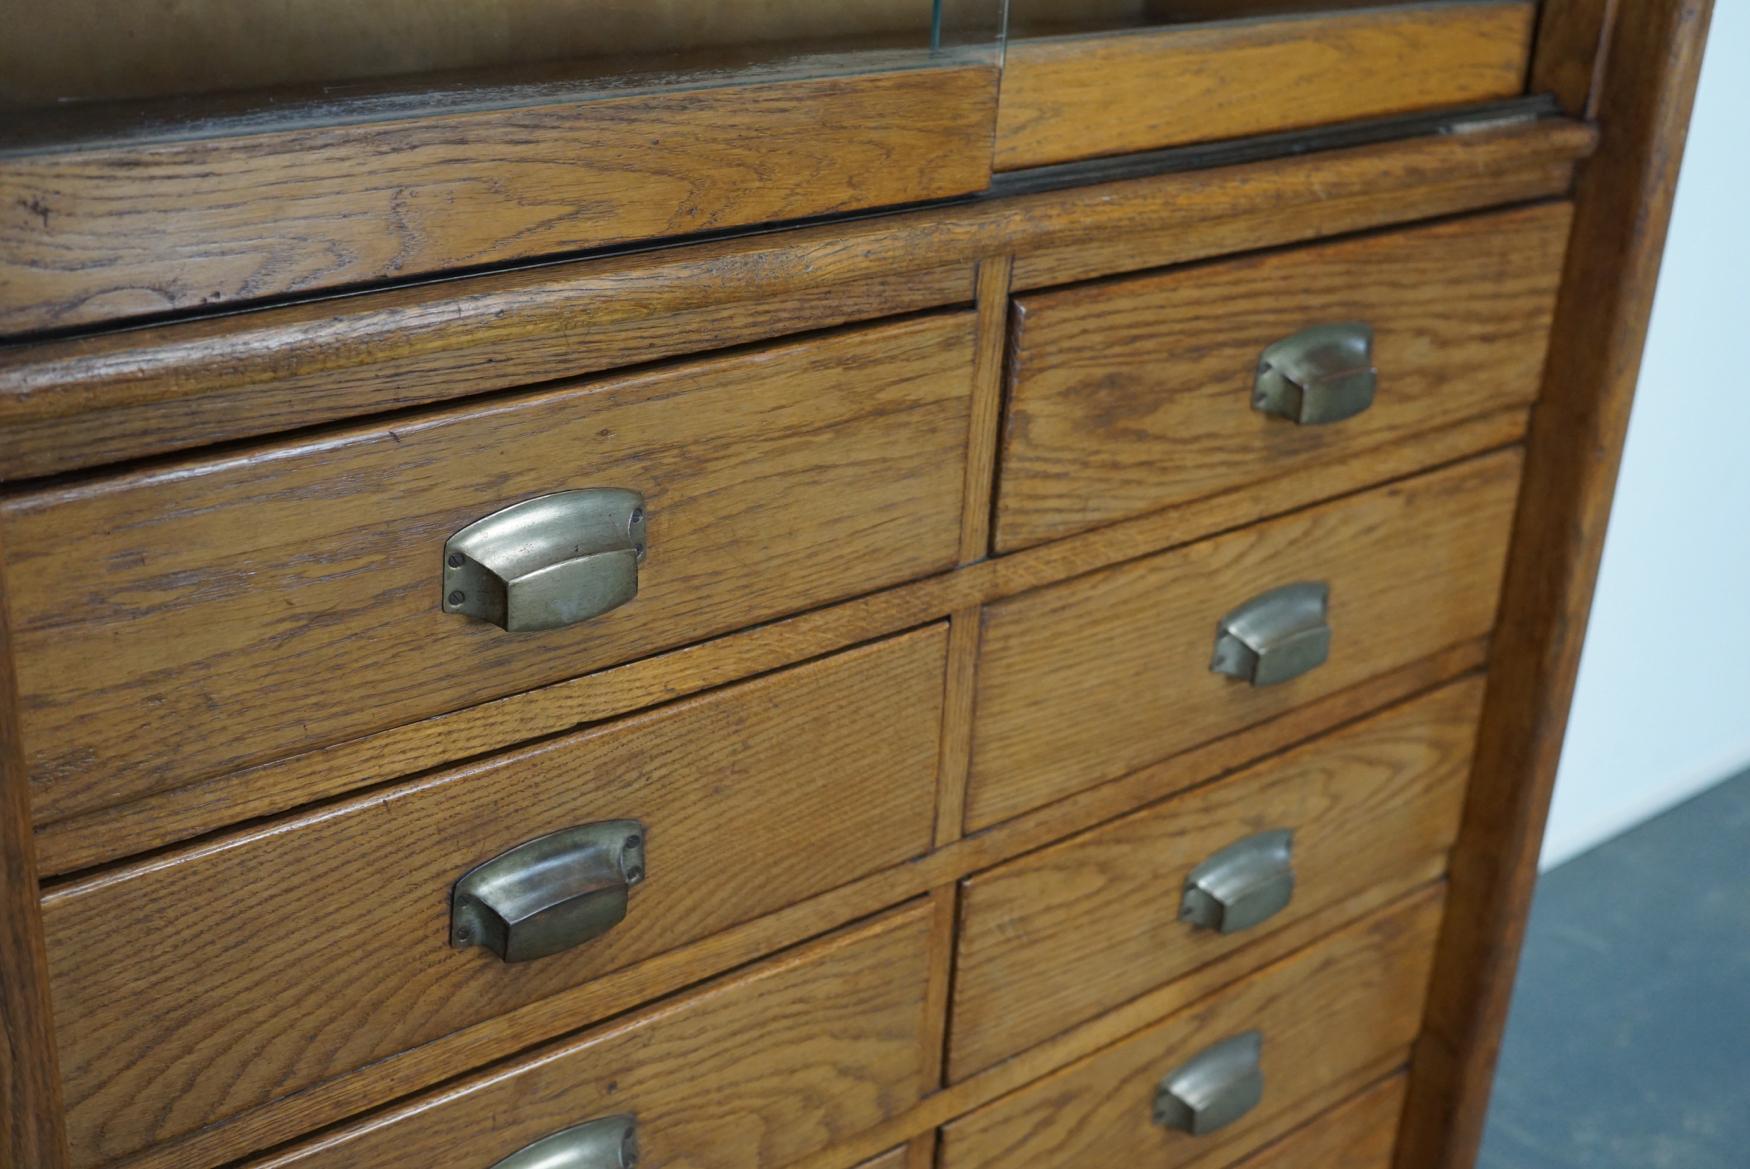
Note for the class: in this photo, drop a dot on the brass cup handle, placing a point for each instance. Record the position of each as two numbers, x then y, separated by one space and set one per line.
1243 885
609 1143
1214 1088
551 893
1275 636
548 562
1319 375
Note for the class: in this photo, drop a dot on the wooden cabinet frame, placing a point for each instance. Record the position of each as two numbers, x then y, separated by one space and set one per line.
1640 96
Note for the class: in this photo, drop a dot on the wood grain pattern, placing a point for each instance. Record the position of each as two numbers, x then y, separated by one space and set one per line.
179 813
31 1128
897 1159
1093 678
225 611
113 232
1575 450
1130 395
1349 1003
1056 937
80 403
755 1070
1360 1134
184 1000
1232 79
1572 47
507 1034
965 627
987 406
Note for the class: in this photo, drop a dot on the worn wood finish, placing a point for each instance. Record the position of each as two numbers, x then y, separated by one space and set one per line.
1571 51
1130 395
1622 214
31 1128
505 1035
177 814
1056 937
1083 682
759 1069
1348 1004
119 231
185 1000
1230 79
225 611
1359 1134
80 403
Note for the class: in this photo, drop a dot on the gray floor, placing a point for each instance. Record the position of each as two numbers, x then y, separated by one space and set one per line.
1629 1040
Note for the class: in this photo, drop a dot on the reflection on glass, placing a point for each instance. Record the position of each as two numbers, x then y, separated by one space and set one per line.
103 68
1033 18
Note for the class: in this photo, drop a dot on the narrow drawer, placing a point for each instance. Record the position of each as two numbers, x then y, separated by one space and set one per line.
178 623
1359 1134
1133 395
198 985
1324 1022
751 1073
1059 936
1082 682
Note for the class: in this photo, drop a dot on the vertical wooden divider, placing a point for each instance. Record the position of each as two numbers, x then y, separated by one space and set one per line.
31 1132
1623 207
964 626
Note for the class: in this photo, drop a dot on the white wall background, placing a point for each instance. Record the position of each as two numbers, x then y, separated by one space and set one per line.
1662 709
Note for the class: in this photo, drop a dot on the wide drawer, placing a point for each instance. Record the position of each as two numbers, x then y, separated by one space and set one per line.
1324 1023
1133 395
751 1073
177 623
1059 936
200 984
1086 681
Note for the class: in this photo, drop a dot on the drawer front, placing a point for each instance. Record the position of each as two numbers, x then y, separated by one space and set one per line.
193 987
1059 936
1137 394
1361 1134
179 623
894 1160
751 1073
1086 681
1339 1011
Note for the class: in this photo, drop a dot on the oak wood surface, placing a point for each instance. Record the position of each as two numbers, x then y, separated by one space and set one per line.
205 982
514 1031
83 402
120 231
31 1129
1095 677
1056 937
1570 54
897 1159
1127 396
1067 98
222 612
1622 212
179 813
987 406
1344 1005
757 1069
1359 1134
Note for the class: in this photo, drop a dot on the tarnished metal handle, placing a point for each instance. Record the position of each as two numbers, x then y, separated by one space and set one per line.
1276 635
1246 883
1214 1088
609 1143
547 562
550 894
1322 374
